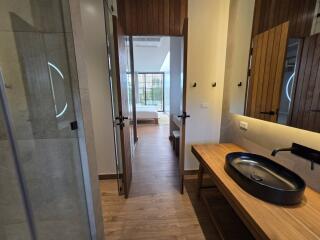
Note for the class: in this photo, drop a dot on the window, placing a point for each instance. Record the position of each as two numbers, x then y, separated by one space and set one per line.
151 90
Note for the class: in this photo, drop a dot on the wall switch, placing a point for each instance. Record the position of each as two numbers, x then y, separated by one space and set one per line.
204 105
243 125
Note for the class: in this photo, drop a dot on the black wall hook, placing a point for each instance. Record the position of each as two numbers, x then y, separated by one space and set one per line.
214 84
239 84
194 84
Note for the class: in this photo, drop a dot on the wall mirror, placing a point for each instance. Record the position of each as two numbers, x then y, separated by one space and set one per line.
274 61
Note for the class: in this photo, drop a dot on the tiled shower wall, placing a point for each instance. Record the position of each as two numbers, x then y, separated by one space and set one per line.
33 33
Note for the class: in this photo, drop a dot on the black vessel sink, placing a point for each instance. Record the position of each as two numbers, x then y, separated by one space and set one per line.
265 179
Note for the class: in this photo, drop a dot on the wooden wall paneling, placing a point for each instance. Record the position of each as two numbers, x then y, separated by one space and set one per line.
273 69
293 15
183 13
171 19
166 17
305 82
156 5
177 13
299 82
152 17
269 51
255 76
134 18
271 13
139 11
161 16
299 28
260 79
250 79
267 74
306 96
308 117
128 17
280 69
315 104
256 15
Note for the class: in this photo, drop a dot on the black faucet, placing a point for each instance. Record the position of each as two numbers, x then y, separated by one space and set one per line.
308 153
275 151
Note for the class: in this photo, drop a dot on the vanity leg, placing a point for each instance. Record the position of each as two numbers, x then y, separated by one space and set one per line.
200 179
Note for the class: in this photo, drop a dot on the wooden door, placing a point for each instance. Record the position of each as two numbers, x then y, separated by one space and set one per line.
184 114
122 99
305 105
266 74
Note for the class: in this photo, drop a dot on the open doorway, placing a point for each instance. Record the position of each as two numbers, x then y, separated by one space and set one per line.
157 91
152 80
142 102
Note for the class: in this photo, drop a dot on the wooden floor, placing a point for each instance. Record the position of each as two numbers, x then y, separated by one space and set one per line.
155 208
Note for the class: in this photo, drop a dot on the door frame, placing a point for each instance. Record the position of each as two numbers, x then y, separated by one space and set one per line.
184 115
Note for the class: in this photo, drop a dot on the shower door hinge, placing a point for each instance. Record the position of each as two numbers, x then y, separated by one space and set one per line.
74 125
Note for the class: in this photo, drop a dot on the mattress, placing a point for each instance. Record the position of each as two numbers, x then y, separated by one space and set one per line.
147 115
147 112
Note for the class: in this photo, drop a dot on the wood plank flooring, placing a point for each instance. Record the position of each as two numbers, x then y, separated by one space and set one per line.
155 209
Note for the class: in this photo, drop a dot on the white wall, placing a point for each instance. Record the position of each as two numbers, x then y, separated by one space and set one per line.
208 25
92 13
150 58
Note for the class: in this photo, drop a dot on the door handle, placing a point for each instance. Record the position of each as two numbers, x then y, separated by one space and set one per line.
183 115
121 121
269 113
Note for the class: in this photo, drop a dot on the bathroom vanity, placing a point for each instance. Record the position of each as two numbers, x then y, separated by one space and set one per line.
264 220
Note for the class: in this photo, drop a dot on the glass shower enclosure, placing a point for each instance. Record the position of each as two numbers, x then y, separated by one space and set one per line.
41 184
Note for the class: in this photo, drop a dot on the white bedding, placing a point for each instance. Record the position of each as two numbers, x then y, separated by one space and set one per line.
147 112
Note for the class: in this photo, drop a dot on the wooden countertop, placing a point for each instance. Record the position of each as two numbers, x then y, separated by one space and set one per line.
264 220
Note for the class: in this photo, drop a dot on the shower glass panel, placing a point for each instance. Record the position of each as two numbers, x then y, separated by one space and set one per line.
38 66
13 218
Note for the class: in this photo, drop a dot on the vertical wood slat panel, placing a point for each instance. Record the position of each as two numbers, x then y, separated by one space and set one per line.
177 12
139 12
161 17
270 13
306 97
255 77
299 83
171 18
267 73
305 83
307 116
269 52
155 7
252 77
280 68
260 79
152 17
273 69
166 17
144 22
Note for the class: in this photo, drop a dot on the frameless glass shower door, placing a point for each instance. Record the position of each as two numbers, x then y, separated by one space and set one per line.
38 68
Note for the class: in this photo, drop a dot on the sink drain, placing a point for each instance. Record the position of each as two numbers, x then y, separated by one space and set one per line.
256 177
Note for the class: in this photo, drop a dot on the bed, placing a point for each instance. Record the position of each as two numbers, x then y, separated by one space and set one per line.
147 113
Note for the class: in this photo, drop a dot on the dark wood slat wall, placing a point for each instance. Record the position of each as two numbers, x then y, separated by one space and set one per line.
306 100
270 13
269 50
152 17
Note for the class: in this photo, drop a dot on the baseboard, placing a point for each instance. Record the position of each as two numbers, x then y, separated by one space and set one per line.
107 176
191 172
